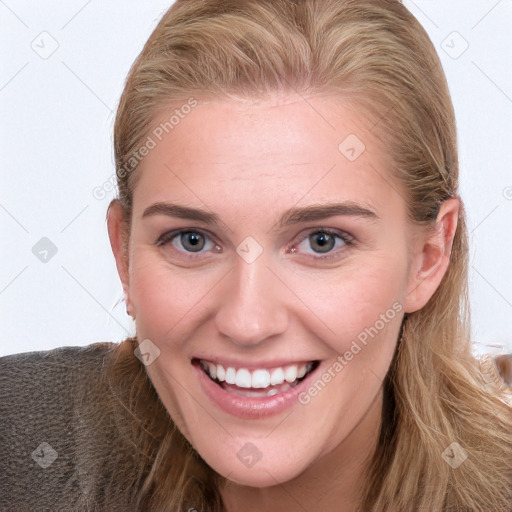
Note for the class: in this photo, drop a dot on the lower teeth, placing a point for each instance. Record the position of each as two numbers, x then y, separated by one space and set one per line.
274 390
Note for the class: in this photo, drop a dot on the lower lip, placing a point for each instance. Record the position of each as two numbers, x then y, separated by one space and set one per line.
251 407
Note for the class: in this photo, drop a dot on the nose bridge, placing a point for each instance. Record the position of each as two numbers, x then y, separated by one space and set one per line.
253 306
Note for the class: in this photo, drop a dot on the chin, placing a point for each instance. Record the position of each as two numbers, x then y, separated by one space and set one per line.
259 477
263 472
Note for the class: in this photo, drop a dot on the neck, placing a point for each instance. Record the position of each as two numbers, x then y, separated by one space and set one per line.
333 483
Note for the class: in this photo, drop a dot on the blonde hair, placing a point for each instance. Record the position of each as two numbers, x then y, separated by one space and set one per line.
375 54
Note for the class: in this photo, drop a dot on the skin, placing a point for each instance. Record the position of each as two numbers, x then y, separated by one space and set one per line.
248 162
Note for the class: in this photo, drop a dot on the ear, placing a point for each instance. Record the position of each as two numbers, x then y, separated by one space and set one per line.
119 242
431 257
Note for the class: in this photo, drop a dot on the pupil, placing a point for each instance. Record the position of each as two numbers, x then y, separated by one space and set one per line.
323 241
192 241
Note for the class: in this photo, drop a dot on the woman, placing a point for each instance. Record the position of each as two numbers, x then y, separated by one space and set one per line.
293 249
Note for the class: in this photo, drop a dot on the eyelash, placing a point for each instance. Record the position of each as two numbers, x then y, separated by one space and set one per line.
347 239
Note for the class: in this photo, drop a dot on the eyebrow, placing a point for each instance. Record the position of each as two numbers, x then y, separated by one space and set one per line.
291 216
322 211
182 212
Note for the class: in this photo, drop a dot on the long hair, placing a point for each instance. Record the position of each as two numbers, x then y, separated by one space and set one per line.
440 403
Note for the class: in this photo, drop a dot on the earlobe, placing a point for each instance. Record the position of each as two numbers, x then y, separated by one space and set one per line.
117 235
432 257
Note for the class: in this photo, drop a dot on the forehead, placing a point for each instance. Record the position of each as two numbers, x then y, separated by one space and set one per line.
249 151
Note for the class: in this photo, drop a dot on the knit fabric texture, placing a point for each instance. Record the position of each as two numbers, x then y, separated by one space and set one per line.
58 449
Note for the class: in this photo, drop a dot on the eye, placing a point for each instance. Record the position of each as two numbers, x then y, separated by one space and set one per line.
187 241
324 243
191 241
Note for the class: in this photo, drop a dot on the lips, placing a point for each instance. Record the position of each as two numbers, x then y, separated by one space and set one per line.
253 393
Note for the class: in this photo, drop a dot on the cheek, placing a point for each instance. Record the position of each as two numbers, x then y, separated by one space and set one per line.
363 311
163 297
355 299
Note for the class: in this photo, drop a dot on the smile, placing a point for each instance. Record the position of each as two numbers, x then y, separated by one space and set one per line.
253 393
271 381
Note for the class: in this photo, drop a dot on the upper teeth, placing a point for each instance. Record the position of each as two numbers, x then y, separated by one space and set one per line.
260 378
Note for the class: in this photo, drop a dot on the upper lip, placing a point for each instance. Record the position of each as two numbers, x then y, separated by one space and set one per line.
253 365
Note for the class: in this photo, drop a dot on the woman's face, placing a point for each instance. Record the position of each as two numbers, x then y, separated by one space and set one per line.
280 245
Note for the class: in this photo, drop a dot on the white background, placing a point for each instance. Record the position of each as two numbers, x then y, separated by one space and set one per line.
56 148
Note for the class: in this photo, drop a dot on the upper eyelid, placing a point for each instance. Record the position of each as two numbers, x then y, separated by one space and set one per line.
169 235
339 232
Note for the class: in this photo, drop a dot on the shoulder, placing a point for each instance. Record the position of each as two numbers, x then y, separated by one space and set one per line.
59 359
42 398
45 383
53 375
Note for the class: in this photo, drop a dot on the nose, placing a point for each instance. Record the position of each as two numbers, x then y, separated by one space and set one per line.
253 304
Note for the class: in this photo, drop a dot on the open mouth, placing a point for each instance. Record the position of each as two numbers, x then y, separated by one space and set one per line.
261 382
